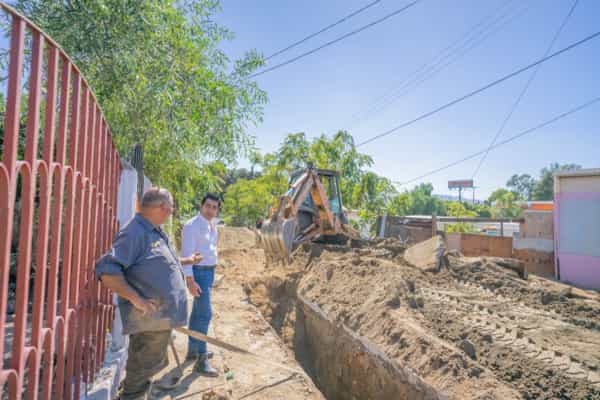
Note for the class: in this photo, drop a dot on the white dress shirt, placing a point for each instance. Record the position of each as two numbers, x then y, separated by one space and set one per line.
199 236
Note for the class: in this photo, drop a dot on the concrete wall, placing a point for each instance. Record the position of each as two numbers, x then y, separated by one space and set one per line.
408 231
577 227
534 245
480 245
538 224
107 382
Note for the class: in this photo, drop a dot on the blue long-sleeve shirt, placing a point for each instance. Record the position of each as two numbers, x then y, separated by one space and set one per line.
142 254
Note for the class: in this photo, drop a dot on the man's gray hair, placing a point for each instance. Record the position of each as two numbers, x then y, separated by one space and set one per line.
156 197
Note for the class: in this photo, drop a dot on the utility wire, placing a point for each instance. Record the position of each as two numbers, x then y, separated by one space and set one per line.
328 27
506 141
441 65
525 88
428 69
481 89
347 35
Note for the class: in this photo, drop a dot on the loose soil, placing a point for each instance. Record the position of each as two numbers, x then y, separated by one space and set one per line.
472 331
238 322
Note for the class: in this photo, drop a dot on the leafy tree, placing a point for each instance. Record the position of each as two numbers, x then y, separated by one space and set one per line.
157 71
506 206
419 201
457 209
522 184
544 188
372 193
361 189
480 210
497 195
247 200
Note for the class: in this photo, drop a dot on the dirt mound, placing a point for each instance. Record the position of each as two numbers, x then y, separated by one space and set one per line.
232 238
475 330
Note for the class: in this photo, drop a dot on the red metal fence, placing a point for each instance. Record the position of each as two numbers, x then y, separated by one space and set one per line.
58 190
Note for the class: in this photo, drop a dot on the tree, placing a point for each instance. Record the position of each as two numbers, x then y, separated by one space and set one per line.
419 201
522 184
457 209
361 189
157 71
496 195
506 206
247 200
372 194
544 188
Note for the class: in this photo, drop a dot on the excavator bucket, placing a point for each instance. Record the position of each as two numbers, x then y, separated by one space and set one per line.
276 237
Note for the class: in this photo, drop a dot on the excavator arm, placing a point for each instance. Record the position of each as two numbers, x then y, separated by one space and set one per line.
281 233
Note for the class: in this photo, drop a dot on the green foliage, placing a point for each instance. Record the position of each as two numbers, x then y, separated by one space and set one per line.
162 81
247 200
459 210
497 195
522 184
418 201
371 196
544 187
480 210
506 206
360 189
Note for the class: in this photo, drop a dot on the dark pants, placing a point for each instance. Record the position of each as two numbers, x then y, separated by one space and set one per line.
201 310
147 355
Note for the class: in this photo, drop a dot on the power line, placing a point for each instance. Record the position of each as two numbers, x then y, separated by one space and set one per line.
347 35
506 141
328 27
478 33
525 88
440 66
481 89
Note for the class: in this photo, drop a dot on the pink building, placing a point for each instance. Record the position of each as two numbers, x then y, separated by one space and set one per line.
577 227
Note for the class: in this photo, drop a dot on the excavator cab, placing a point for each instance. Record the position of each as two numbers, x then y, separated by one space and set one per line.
331 183
311 210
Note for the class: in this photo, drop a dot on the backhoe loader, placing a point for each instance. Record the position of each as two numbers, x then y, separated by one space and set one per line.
311 210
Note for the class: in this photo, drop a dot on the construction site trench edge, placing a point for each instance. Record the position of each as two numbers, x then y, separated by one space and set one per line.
364 323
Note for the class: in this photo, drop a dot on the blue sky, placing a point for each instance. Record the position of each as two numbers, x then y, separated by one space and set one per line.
324 92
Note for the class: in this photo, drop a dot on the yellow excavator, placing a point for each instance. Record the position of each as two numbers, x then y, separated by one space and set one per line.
311 210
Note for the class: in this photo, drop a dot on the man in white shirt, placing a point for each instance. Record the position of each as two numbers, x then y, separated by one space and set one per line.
200 236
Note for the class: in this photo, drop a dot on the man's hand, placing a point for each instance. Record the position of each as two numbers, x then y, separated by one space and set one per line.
196 258
119 285
144 305
193 286
193 259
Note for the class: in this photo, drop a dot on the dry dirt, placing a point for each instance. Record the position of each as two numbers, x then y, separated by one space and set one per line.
472 331
238 322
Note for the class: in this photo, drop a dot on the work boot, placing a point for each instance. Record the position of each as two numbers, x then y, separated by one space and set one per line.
139 395
194 357
204 368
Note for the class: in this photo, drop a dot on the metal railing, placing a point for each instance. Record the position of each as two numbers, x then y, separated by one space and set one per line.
58 189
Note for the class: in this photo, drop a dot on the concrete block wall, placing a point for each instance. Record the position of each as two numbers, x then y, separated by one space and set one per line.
534 245
472 245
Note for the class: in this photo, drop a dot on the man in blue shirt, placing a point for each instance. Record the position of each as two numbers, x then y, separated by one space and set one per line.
143 269
200 236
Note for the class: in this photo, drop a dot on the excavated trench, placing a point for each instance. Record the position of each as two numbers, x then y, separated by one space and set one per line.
343 365
365 325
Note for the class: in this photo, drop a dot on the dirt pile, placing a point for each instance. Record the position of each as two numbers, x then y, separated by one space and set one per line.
474 331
